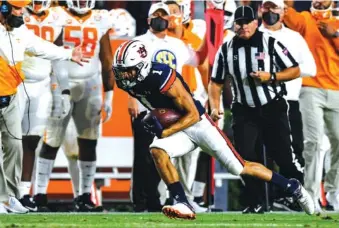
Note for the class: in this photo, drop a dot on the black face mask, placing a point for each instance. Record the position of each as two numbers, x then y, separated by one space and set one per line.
158 24
270 18
15 21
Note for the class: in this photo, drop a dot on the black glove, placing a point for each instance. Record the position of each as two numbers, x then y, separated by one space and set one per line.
153 126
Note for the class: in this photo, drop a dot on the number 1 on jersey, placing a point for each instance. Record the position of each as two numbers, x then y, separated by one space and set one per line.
88 41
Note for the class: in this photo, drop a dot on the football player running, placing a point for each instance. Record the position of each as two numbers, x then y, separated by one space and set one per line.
90 29
156 85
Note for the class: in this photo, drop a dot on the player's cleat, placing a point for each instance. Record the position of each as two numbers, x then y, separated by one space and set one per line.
303 198
41 202
197 208
254 209
3 210
84 203
13 205
333 200
317 206
200 201
287 204
179 210
27 202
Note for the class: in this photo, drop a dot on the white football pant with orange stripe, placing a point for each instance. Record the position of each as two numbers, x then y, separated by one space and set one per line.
86 108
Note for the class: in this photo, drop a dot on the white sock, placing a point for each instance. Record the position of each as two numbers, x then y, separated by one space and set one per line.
24 188
86 173
198 188
73 170
43 172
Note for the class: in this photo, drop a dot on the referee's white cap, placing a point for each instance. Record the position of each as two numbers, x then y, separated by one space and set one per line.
279 3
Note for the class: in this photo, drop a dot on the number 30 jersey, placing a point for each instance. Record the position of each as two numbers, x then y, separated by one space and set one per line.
48 27
150 91
86 31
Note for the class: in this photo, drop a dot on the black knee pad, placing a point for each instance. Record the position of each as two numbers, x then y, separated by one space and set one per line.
87 149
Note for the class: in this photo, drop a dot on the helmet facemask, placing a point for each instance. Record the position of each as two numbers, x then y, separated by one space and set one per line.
81 6
40 6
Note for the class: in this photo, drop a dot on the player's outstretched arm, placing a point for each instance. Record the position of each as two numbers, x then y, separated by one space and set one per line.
184 103
106 58
50 51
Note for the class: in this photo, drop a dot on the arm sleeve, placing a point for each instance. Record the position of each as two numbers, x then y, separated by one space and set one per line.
220 67
283 57
306 61
294 20
46 50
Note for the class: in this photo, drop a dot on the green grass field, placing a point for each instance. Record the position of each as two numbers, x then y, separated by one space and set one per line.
158 220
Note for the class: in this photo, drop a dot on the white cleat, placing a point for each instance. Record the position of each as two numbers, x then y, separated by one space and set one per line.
197 208
3 209
333 199
303 198
13 205
317 207
179 210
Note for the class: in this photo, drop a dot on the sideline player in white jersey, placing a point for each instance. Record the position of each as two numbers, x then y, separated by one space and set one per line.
123 26
36 105
90 29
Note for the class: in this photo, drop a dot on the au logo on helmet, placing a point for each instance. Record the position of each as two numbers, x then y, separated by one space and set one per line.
142 51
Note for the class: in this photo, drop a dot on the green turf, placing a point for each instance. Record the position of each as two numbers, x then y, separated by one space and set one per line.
158 220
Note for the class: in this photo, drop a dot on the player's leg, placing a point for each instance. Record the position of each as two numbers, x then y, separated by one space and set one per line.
38 107
87 119
332 176
211 139
71 150
52 140
162 150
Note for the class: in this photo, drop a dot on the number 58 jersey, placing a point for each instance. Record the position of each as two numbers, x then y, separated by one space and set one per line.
86 31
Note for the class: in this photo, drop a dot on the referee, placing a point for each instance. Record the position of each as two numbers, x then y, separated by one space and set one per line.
258 65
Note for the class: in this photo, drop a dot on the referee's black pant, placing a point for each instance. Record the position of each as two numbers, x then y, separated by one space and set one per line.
267 125
145 176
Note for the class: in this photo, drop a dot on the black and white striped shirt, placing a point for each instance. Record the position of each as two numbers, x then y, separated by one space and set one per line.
238 58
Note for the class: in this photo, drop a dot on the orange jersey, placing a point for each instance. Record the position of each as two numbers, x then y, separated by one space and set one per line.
323 49
193 40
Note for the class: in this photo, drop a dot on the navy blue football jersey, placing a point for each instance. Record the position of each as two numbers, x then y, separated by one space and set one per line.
150 91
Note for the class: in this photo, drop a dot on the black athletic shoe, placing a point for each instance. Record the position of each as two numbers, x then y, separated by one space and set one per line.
28 203
84 203
41 202
256 209
286 204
